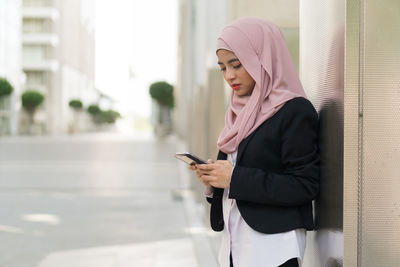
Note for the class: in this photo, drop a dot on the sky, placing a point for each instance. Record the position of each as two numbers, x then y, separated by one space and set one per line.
136 44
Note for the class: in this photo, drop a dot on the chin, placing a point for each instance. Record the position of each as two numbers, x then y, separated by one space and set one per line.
241 93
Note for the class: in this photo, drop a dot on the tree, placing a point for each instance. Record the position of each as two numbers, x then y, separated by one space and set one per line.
77 106
5 90
31 100
94 110
5 87
163 93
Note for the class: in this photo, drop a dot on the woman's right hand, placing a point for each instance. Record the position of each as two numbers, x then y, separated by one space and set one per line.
199 173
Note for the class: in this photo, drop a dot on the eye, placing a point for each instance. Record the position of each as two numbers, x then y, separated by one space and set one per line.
237 66
222 69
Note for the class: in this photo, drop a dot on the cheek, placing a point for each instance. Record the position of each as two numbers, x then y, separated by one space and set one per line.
252 84
224 75
249 81
247 78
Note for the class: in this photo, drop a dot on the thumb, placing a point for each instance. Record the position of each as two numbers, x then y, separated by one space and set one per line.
210 161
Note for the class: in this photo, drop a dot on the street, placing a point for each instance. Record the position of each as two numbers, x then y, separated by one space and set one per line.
96 200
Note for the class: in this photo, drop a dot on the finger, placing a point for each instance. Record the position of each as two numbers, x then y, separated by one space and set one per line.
214 184
201 172
209 178
204 178
221 162
192 167
205 183
198 173
205 167
210 161
212 173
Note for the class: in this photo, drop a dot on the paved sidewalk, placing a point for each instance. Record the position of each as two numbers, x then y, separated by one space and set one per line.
170 253
99 200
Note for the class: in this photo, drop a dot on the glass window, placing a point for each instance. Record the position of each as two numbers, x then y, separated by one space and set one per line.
33 52
36 78
38 3
36 26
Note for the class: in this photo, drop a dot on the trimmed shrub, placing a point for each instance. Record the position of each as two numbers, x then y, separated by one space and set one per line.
94 110
31 99
5 87
76 104
163 93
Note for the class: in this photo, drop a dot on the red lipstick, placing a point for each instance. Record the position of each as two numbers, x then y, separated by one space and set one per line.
235 86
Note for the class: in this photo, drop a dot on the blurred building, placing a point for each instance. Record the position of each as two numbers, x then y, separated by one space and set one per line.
199 91
10 62
58 57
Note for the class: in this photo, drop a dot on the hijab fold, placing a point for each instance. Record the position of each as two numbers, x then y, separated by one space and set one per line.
261 49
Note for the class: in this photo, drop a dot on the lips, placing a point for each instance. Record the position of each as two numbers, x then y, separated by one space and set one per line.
235 86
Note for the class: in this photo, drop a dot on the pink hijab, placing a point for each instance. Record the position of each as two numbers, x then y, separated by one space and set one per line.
261 49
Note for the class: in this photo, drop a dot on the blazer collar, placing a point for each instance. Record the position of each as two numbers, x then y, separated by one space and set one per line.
222 155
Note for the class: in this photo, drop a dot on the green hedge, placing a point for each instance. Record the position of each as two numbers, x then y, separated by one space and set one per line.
109 116
103 116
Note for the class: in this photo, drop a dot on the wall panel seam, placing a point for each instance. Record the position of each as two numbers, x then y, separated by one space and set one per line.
360 129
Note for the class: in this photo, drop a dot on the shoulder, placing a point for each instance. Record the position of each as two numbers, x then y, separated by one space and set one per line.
299 107
299 104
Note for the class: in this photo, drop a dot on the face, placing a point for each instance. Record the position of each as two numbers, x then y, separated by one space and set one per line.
234 73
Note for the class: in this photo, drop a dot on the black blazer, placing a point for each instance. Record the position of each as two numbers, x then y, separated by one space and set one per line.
276 176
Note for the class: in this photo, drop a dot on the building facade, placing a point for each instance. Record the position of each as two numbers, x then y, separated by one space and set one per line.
58 57
10 62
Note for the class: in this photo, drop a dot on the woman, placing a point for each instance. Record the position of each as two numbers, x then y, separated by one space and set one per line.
266 176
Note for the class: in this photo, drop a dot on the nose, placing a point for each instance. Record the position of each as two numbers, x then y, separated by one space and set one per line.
230 74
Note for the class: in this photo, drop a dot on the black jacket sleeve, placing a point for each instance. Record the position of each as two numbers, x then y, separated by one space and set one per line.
298 183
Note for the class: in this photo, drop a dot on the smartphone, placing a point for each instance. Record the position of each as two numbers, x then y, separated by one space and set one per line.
189 158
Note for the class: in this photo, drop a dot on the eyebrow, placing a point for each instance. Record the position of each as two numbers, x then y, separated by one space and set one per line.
229 61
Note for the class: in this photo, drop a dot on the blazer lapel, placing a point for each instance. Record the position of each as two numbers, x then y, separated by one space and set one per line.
242 146
241 149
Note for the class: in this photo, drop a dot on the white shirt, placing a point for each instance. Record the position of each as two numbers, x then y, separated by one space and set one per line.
251 248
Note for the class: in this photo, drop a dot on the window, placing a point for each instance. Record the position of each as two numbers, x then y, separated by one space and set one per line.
30 25
38 3
36 78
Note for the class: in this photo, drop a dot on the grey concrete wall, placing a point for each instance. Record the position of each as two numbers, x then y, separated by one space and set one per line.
372 114
10 62
321 72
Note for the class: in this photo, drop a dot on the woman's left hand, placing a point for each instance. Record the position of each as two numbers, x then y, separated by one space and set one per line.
217 174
